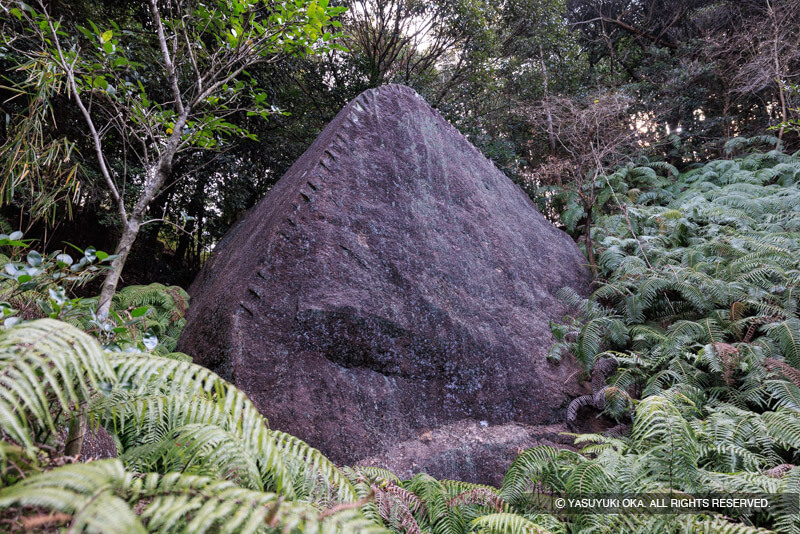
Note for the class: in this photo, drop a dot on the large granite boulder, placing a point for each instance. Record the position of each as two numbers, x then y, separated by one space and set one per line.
392 283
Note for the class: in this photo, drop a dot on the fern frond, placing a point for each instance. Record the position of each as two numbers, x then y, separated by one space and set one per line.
101 497
167 394
505 523
44 362
787 335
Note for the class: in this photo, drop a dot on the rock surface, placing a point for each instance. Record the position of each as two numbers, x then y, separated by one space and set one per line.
477 453
392 281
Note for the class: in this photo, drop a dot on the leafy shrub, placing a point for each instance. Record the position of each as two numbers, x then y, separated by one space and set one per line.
34 285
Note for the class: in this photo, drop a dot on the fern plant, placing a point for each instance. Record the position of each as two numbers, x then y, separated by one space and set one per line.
699 290
697 302
167 416
105 496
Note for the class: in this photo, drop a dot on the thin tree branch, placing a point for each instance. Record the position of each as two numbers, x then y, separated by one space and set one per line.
168 64
68 69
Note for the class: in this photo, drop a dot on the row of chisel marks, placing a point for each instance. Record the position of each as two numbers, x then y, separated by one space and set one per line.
305 196
326 169
329 156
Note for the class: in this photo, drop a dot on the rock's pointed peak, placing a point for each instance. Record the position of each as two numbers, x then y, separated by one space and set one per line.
392 281
394 91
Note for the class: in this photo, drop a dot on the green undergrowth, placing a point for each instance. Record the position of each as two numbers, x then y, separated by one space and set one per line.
696 301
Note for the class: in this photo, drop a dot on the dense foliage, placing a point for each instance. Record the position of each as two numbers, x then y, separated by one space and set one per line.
165 415
195 456
202 52
696 304
689 74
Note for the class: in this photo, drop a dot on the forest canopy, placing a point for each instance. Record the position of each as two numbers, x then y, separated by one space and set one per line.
523 80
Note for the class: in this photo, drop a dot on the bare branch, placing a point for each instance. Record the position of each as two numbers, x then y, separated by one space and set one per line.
69 71
172 74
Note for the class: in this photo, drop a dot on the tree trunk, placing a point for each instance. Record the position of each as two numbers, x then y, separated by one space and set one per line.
129 233
784 111
75 435
589 242
546 88
130 229
776 60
